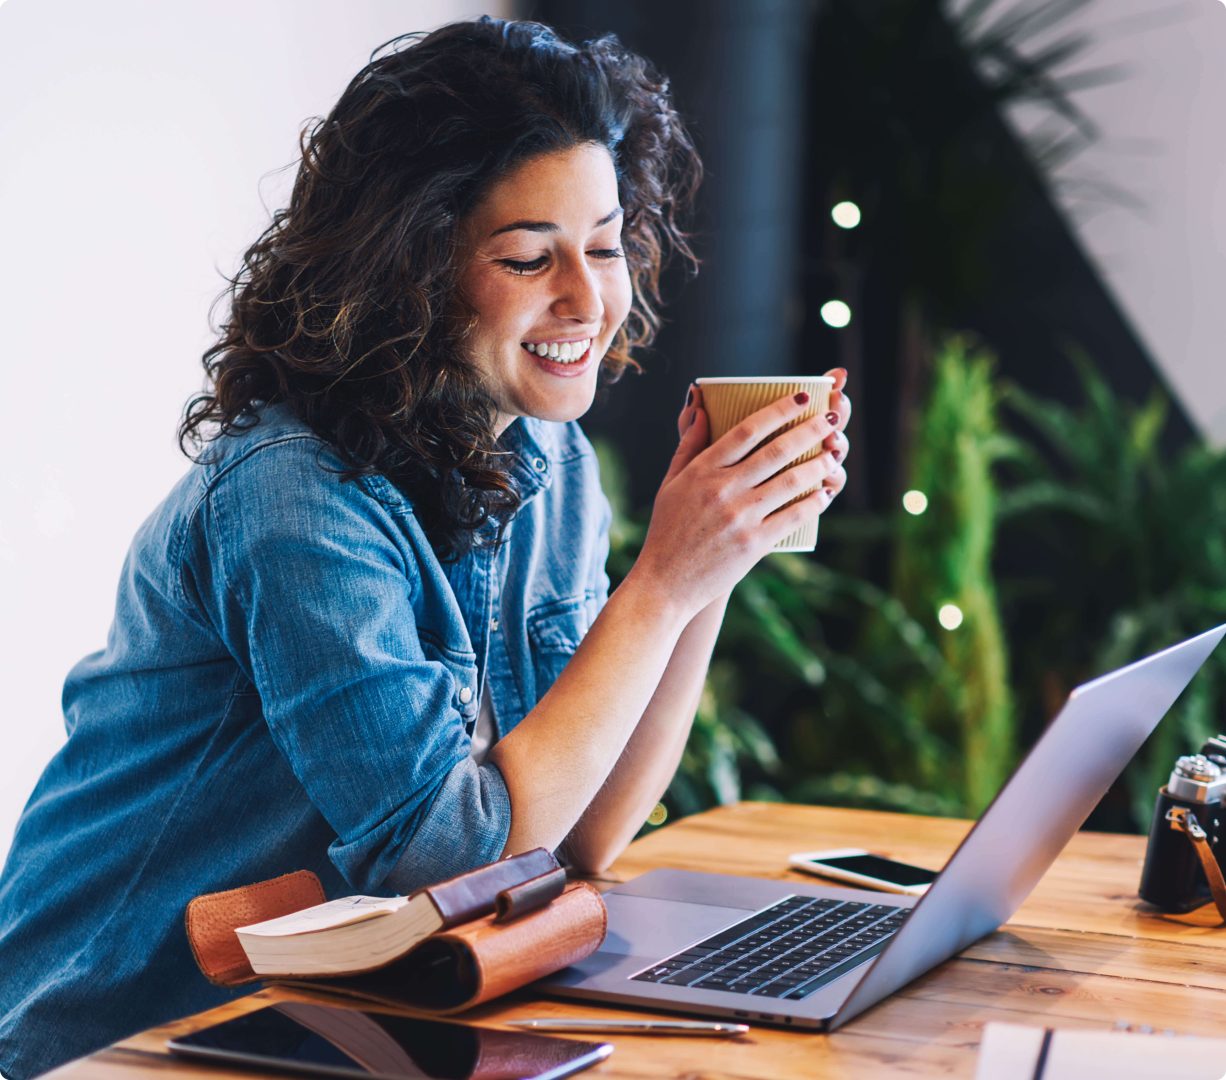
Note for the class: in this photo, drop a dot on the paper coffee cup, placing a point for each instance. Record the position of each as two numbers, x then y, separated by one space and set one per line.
729 400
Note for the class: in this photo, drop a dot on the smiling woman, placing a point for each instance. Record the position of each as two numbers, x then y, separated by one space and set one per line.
369 633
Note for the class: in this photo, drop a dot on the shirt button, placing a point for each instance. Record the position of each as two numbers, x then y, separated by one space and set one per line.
466 695
539 464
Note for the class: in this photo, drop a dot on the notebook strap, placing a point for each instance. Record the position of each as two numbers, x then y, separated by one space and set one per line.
1183 820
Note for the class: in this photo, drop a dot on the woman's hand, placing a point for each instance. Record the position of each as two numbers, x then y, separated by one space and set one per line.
722 506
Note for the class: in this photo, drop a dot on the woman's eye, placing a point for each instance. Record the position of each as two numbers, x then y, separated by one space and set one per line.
517 266
529 266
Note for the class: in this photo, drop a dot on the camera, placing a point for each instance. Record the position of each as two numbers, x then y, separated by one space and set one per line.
1173 878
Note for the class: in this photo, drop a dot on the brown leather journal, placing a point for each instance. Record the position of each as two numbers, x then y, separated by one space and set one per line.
503 926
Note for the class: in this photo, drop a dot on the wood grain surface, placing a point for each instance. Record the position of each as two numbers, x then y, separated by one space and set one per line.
1081 952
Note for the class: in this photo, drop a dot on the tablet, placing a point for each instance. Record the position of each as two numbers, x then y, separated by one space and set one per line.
311 1039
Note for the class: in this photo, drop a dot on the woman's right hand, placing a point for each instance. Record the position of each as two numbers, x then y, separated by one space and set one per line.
722 506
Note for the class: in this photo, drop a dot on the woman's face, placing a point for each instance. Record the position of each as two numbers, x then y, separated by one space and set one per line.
545 273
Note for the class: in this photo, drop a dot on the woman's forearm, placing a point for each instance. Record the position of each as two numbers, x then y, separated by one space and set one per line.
557 758
653 752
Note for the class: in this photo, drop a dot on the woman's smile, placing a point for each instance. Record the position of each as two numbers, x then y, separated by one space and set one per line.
562 358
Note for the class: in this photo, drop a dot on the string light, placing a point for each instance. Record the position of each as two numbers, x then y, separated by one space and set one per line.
915 502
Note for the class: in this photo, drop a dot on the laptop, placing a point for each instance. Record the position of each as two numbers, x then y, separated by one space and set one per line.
805 956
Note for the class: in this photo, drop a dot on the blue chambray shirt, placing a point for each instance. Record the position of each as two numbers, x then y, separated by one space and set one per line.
290 682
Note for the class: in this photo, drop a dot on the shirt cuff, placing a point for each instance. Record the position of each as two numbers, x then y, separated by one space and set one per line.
465 826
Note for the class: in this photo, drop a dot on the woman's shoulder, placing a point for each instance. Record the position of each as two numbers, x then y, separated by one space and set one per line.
276 487
270 427
277 451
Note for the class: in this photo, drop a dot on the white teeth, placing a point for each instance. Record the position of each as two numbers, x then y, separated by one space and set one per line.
565 353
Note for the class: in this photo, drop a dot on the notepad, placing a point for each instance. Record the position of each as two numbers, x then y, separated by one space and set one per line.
1018 1052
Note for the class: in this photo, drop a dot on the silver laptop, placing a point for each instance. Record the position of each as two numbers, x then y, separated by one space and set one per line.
811 957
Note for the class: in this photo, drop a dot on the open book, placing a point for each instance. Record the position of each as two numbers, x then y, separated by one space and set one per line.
361 933
444 948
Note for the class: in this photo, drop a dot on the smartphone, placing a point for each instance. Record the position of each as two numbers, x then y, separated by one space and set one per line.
311 1039
858 867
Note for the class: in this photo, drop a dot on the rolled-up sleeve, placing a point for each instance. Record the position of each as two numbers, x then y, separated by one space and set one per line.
312 592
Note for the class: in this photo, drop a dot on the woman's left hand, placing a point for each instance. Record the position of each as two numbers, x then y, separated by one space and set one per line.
836 442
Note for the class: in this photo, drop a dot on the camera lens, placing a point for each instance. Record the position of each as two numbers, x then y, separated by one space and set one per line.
1197 767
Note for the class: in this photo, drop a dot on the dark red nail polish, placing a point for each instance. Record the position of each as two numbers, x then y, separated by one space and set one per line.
832 418
836 454
802 398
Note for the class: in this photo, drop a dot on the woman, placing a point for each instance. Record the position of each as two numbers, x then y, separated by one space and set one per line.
367 633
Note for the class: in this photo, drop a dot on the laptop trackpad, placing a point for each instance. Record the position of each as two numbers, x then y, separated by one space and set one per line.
648 926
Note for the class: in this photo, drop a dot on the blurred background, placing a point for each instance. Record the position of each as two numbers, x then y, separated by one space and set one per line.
1005 218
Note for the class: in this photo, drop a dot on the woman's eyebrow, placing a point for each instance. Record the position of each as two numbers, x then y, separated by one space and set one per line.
550 226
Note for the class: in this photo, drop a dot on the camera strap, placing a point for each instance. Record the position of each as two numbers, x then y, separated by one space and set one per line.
1183 820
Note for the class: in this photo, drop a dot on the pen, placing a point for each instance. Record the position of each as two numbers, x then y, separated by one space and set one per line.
632 1027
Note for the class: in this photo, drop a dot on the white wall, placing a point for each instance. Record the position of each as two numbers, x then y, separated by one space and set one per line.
136 140
1163 143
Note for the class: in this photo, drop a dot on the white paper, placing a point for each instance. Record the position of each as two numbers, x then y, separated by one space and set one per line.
343 912
1012 1050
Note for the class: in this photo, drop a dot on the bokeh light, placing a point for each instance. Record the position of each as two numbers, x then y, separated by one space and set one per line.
915 502
835 313
846 215
950 616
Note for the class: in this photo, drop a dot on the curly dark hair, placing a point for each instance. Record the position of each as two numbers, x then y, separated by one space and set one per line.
346 308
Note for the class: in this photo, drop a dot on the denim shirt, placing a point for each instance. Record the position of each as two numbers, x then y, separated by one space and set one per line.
290 682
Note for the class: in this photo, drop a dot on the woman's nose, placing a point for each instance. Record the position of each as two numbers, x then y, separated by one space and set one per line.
578 296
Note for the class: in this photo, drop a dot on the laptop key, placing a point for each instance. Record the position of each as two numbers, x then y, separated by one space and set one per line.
774 989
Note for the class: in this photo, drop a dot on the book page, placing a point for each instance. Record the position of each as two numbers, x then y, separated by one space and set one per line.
343 912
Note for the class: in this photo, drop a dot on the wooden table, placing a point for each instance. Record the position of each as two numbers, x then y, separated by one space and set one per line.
1080 953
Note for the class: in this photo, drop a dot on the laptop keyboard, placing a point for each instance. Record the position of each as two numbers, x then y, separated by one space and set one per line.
787 950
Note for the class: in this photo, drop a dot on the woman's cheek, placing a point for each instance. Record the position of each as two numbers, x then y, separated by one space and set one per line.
623 296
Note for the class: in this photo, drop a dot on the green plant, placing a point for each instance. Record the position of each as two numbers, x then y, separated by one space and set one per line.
942 568
1131 535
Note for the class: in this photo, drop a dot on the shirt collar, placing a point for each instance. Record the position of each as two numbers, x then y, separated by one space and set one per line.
530 467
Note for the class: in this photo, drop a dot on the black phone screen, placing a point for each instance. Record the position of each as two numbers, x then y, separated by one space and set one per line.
899 873
328 1040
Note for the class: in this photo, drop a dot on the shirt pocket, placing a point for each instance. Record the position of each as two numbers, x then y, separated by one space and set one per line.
554 632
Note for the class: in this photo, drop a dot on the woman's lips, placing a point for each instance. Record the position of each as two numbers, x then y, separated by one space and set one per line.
564 369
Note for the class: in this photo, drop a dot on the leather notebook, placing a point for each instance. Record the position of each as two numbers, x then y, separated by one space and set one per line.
444 949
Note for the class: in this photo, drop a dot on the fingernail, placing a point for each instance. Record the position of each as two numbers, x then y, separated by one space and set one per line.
836 454
689 396
832 418
802 398
692 419
836 372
